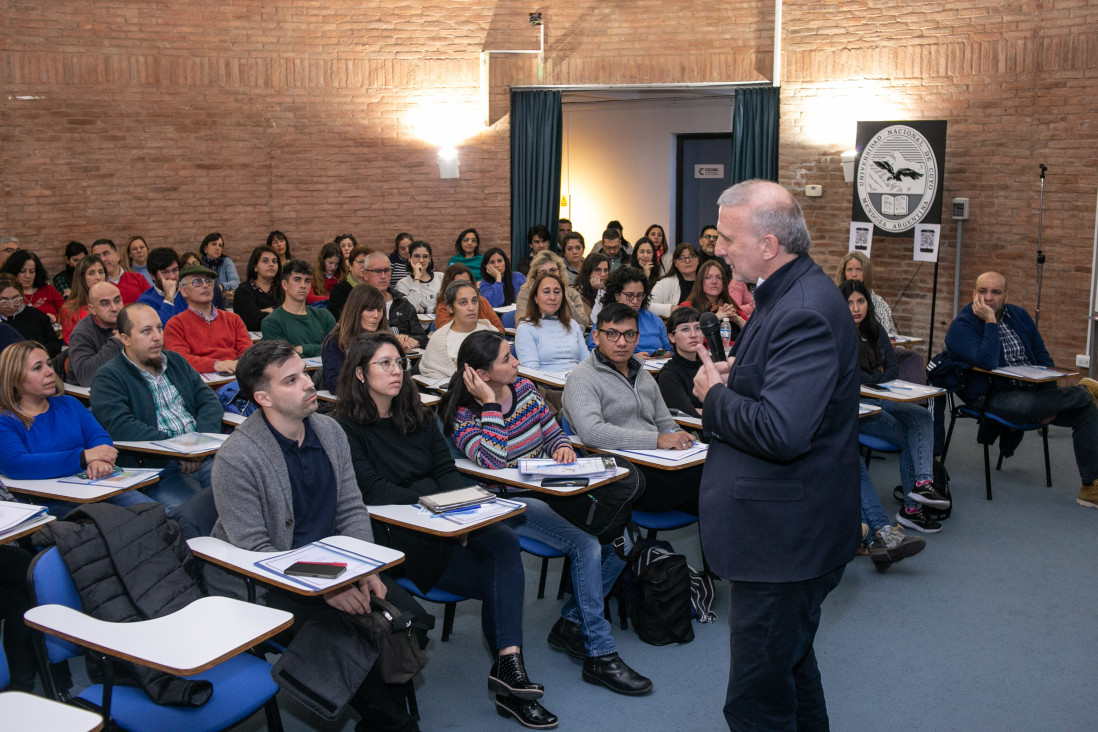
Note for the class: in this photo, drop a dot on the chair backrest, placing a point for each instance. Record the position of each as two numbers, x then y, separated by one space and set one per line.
52 585
508 319
565 426
5 677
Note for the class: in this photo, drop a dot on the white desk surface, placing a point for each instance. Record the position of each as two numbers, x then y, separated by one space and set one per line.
426 317
515 479
690 423
428 399
255 335
21 711
902 391
27 527
433 384
903 340
510 331
410 517
189 641
54 489
232 419
80 392
506 309
865 410
243 561
147 447
1032 374
214 380
650 461
549 378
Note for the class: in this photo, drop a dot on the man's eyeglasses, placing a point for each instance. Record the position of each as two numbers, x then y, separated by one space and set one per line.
199 282
389 365
633 296
5 301
380 270
614 335
710 237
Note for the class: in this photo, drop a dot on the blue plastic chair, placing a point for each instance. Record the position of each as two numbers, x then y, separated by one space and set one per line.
546 552
241 685
508 319
448 600
662 520
872 444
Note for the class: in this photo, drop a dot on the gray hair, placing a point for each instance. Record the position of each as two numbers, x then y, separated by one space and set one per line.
773 211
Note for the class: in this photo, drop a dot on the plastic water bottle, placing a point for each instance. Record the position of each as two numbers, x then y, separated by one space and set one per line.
726 334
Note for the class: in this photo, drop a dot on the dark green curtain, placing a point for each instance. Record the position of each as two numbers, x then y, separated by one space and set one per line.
755 134
535 165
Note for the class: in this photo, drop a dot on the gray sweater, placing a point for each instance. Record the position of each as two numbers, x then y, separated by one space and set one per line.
251 488
606 411
90 346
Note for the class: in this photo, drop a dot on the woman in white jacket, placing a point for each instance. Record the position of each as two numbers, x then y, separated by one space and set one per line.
422 285
675 286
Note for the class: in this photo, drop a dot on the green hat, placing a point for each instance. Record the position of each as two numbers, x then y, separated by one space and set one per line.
196 270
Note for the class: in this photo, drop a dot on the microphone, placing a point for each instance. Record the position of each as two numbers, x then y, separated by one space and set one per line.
711 329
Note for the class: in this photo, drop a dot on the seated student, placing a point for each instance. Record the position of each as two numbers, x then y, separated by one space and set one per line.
676 378
14 602
537 238
628 286
328 271
548 262
461 273
399 256
422 285
572 245
89 270
94 340
591 281
399 454
164 296
261 292
644 258
130 284
885 543
908 426
467 252
403 320
499 284
46 434
278 242
496 419
364 313
32 324
675 286
211 340
612 402
617 253
856 266
548 337
284 480
62 281
440 357
212 251
356 275
294 320
710 295
137 257
148 393
28 271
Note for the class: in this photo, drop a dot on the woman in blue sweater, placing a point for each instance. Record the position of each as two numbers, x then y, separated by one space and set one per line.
498 283
629 286
548 337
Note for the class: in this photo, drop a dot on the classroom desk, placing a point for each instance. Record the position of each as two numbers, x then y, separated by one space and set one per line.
232 419
189 641
647 460
55 490
242 561
687 422
902 391
80 392
505 309
512 477
22 711
429 400
903 340
554 379
146 447
1032 374
426 318
24 529
433 384
214 380
866 410
255 335
411 517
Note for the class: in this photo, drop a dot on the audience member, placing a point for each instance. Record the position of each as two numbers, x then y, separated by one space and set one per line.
573 247
399 257
884 542
356 275
210 339
591 281
212 250
629 287
710 295
461 273
548 262
440 357
402 315
261 292
32 323
9 245
8 336
62 281
496 419
537 238
499 283
399 454
656 235
130 284
612 247
346 242
278 242
707 244
856 266
94 340
364 313
467 252
164 296
89 270
548 337
564 228
421 287
328 271
644 259
284 480
676 378
294 321
137 257
675 286
991 333
30 275
612 402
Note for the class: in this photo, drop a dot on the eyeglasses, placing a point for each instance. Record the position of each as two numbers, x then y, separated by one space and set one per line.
688 329
359 263
389 365
9 250
632 296
199 282
380 270
469 238
614 335
710 237
5 301
686 257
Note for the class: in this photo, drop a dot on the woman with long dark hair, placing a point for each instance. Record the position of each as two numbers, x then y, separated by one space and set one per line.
89 271
592 278
329 270
212 251
548 337
499 284
364 313
422 285
277 241
673 287
710 295
261 292
645 259
467 252
34 285
398 455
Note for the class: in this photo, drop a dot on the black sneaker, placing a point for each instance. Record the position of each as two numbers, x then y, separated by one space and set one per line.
919 521
930 497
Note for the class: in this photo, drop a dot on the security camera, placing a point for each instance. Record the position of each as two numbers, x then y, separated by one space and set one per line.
535 18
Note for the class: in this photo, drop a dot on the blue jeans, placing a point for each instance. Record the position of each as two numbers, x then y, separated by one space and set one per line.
873 514
174 488
595 569
910 428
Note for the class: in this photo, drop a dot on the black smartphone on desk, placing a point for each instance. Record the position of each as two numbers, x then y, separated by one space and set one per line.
323 570
563 482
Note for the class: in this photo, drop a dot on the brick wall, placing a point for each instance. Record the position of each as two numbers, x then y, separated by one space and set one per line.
172 120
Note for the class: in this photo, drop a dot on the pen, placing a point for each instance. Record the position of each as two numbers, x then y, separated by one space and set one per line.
458 512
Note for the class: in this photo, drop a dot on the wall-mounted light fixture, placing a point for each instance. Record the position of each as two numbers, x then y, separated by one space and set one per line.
849 157
448 163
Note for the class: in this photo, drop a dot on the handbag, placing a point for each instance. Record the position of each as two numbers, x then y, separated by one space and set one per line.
606 511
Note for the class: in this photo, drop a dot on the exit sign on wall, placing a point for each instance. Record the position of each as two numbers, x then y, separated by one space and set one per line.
709 171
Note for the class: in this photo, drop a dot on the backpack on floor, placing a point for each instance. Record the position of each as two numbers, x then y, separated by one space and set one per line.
233 401
660 602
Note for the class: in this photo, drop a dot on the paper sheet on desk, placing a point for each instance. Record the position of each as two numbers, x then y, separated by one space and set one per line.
674 456
486 510
13 514
192 442
122 479
1037 373
903 389
318 551
588 466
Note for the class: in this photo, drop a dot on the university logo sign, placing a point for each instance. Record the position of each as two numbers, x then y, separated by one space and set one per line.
898 179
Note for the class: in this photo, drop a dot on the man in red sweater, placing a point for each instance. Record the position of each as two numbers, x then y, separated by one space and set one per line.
210 339
130 284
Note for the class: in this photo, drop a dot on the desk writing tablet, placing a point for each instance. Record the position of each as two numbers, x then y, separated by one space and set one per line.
648 461
555 379
901 391
690 423
413 517
215 380
22 711
865 410
23 529
429 400
80 392
512 477
54 489
232 419
148 447
1030 373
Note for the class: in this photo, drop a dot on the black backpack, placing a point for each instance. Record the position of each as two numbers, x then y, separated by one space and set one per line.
660 603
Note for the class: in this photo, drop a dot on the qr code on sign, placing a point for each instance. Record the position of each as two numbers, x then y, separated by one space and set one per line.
861 239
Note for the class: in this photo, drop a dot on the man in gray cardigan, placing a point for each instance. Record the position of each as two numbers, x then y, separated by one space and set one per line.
612 402
93 341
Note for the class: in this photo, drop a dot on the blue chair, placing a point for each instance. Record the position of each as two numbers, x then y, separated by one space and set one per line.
546 552
871 443
448 600
662 520
241 684
508 319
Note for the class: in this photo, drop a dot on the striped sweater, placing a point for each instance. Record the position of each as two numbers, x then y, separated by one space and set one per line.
496 440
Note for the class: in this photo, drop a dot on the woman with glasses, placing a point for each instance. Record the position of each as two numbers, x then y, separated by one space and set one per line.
37 292
440 357
399 257
591 280
550 263
629 286
548 337
398 455
89 270
669 291
363 314
467 252
30 322
676 378
499 284
261 292
422 285
461 273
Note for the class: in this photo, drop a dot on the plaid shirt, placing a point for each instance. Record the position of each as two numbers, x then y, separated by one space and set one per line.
171 414
1014 353
213 314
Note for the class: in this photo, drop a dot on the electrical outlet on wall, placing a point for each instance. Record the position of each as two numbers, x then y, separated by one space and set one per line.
1082 361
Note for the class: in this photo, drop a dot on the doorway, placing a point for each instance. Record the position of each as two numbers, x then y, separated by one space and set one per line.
703 171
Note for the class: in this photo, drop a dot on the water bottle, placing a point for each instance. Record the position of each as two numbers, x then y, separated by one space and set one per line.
726 334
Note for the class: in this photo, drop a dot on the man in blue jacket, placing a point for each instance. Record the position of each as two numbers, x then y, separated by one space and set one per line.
780 494
989 334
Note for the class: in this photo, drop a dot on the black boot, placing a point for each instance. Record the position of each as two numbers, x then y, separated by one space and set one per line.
528 712
568 637
611 672
508 676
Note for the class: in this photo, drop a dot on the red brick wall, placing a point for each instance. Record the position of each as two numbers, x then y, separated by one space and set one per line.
172 120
